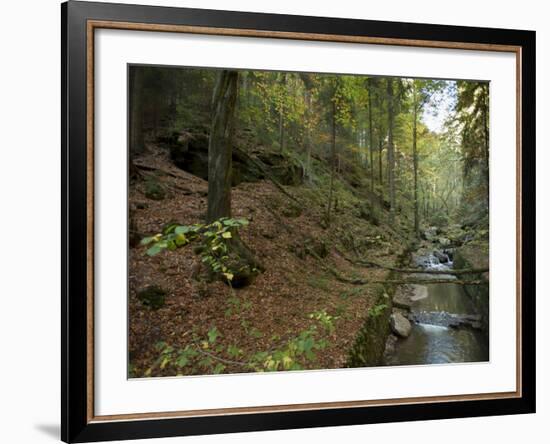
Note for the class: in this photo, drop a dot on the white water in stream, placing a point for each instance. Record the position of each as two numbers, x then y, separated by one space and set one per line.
430 341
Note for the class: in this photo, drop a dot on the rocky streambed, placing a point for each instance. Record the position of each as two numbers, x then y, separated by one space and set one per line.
435 323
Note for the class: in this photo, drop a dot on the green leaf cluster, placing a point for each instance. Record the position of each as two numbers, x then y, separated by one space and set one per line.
213 239
209 355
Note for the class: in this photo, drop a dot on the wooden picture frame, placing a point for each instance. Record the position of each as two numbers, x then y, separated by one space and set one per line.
79 22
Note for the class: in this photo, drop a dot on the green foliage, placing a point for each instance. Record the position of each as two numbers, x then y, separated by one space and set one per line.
236 305
319 282
152 296
289 357
352 293
334 132
154 190
209 355
213 334
213 242
377 310
326 320
299 109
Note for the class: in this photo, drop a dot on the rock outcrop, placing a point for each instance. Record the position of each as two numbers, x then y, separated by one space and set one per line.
400 325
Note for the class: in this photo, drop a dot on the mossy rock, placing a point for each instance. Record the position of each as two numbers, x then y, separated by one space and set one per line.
152 296
292 211
154 190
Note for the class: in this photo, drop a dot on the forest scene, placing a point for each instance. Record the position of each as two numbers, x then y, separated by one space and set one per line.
283 221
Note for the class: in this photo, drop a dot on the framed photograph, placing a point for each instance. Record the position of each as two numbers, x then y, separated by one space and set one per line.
276 221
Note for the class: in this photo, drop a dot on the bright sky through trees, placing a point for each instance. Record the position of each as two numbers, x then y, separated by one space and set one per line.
439 108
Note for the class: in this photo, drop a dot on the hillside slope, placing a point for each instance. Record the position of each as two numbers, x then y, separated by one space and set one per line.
299 290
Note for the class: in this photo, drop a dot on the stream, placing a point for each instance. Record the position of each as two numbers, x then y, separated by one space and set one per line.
445 323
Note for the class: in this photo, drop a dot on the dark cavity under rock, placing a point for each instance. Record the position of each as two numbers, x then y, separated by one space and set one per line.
189 152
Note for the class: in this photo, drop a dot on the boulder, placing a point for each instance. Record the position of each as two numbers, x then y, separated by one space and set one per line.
401 297
189 152
419 292
400 325
444 242
430 233
442 257
449 252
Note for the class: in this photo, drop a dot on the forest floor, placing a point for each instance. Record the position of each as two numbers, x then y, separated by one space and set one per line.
281 301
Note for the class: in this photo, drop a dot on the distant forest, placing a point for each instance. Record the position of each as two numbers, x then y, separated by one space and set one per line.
375 122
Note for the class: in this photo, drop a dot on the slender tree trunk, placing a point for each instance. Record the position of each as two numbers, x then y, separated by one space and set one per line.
391 159
486 140
245 89
371 148
220 145
308 134
380 180
282 115
137 145
333 161
415 165
426 205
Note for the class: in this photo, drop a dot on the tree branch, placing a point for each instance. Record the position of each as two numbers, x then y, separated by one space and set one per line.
365 263
359 281
217 358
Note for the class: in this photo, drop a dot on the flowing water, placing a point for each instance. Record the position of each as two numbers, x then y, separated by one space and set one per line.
435 338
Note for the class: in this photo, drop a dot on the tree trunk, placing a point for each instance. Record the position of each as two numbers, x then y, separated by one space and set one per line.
486 140
137 145
243 265
415 164
391 159
219 147
371 150
333 161
380 180
308 134
282 115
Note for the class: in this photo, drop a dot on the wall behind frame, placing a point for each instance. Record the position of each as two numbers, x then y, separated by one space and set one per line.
29 186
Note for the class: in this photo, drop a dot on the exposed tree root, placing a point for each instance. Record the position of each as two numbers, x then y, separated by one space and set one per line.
360 281
365 263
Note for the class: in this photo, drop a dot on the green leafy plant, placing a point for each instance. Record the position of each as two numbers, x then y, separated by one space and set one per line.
290 355
377 310
326 320
236 305
213 242
208 354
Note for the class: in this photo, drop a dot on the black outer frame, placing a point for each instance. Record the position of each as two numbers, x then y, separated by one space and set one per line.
74 423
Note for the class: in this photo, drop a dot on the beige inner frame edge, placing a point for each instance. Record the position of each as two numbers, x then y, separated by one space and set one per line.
94 24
